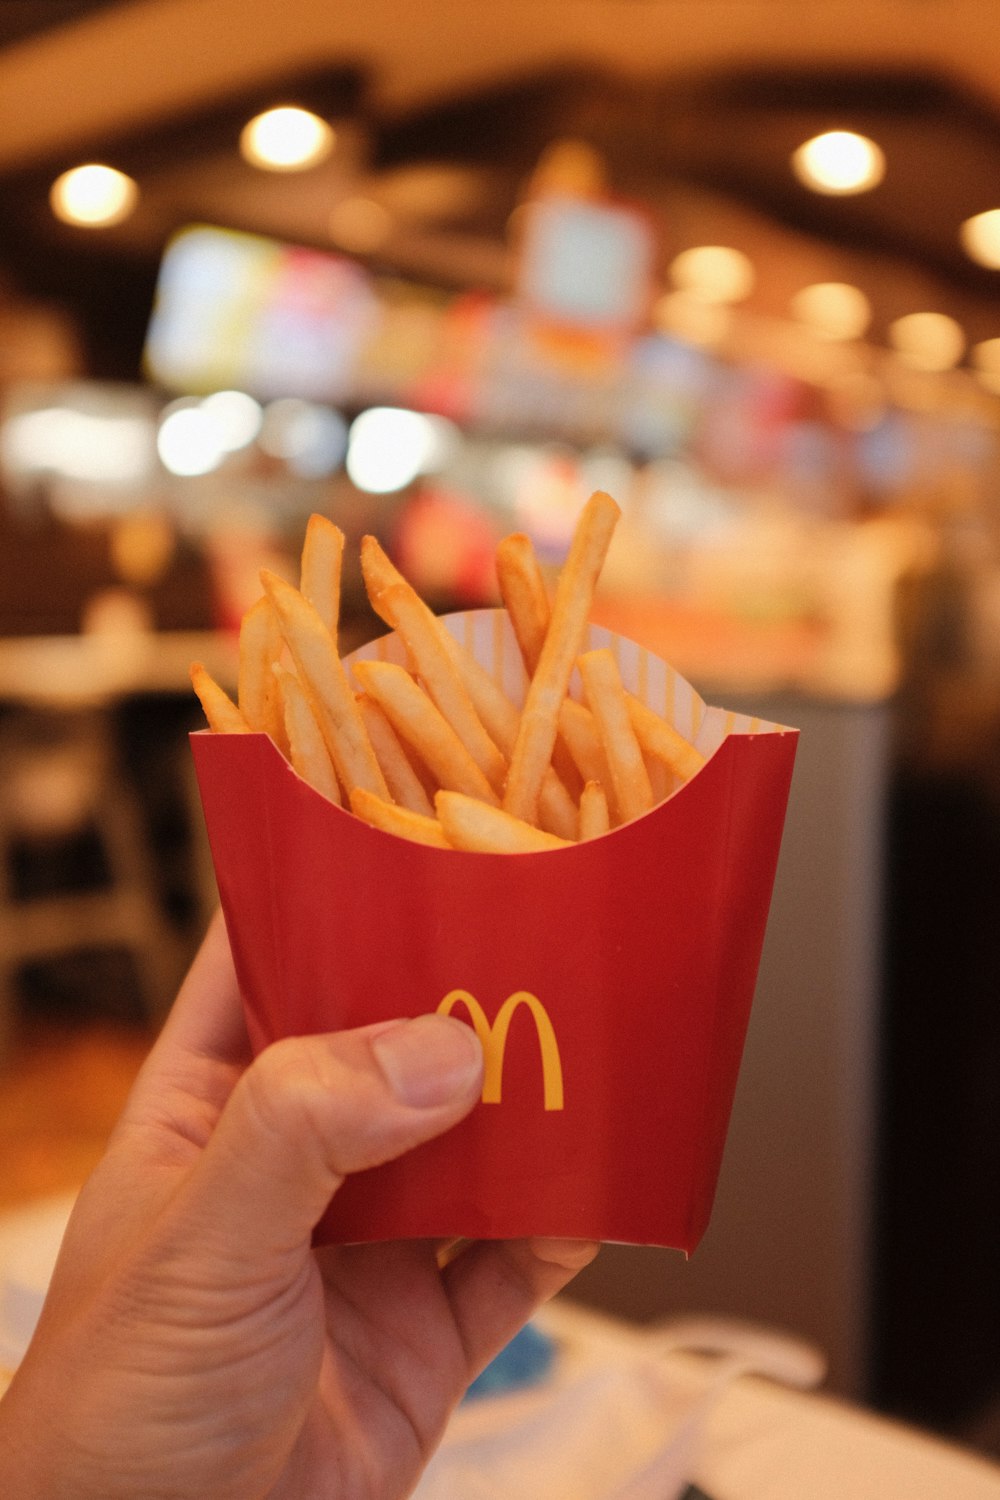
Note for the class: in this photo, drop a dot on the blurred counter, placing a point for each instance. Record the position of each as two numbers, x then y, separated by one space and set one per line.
77 671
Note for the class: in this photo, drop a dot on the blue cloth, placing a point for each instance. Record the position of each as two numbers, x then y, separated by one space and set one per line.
525 1361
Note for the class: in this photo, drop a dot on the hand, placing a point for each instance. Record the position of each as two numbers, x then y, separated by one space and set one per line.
193 1346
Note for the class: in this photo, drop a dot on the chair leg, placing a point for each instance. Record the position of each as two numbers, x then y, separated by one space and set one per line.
8 1011
158 953
129 914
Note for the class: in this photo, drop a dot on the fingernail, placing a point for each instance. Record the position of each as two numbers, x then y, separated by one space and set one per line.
430 1060
571 1254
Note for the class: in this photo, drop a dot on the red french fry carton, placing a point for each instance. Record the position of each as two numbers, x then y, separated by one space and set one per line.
610 982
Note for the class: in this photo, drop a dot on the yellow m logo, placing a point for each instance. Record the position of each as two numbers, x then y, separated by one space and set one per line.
494 1042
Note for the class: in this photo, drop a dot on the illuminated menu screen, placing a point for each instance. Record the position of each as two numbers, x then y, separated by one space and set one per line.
241 310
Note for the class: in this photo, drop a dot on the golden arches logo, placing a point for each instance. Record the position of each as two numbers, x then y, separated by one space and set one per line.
494 1042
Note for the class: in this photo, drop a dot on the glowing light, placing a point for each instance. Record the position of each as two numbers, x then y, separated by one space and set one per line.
237 418
713 273
833 309
93 196
839 162
78 445
388 448
188 441
310 439
359 225
928 341
980 238
287 139
692 320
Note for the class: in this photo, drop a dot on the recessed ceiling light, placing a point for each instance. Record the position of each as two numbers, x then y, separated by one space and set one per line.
833 309
980 237
839 162
94 196
713 273
928 341
287 139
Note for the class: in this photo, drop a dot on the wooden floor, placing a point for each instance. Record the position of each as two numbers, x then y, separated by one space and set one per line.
61 1090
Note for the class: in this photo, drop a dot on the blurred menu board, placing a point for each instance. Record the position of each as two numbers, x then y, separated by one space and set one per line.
586 266
236 310
278 320
241 310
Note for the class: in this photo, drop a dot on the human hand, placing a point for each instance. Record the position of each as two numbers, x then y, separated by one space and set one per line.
193 1345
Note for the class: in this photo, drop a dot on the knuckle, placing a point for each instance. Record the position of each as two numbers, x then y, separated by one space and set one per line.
283 1088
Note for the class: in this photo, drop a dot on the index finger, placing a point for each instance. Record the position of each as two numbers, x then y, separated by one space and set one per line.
207 1016
494 1286
205 1032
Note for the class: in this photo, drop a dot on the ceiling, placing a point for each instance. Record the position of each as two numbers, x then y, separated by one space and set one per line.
443 110
25 18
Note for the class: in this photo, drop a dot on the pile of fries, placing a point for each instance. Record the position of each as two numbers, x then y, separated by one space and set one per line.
438 752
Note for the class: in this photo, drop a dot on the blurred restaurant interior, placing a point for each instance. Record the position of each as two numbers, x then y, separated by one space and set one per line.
529 251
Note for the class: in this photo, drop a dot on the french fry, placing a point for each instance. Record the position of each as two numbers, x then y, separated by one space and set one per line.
522 588
322 565
497 713
307 749
603 686
661 778
571 607
404 611
322 675
445 728
557 811
405 786
578 733
594 819
474 826
525 597
379 571
221 712
421 725
402 821
499 716
258 688
660 739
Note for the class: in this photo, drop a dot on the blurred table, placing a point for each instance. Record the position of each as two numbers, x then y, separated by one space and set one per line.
81 671
613 1418
610 1404
93 741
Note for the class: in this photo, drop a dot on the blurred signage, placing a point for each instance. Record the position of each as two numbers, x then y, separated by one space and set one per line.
586 268
91 443
240 310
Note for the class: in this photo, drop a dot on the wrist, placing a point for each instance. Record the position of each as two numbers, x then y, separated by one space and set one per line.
34 1458
18 1474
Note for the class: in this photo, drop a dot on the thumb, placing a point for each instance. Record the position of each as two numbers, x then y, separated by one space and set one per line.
309 1110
